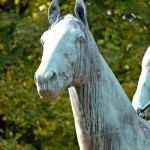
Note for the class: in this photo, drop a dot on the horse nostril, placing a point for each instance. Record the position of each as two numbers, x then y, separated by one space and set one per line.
48 75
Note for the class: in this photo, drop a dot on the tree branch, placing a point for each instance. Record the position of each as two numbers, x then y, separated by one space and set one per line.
23 7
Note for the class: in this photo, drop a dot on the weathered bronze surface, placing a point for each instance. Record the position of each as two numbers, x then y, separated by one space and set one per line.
104 117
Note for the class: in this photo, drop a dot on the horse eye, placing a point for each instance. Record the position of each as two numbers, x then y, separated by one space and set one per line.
80 39
42 42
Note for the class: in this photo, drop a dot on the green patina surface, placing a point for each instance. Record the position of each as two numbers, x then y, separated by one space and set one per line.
71 60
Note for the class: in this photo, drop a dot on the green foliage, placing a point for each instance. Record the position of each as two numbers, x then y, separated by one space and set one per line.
26 121
121 30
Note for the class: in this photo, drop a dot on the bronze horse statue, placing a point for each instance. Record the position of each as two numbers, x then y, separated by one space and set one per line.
104 117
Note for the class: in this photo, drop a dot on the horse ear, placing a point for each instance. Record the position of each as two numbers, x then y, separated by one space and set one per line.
80 11
53 12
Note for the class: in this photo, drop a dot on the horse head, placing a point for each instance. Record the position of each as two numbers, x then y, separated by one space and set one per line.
65 51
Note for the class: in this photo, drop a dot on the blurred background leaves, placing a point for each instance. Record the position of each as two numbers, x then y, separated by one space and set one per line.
122 32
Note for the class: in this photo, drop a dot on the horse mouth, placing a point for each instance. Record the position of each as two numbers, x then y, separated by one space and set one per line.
45 94
46 90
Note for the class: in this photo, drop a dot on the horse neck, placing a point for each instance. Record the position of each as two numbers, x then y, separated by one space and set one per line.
100 101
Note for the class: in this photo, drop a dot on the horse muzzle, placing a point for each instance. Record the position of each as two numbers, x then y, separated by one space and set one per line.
44 84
